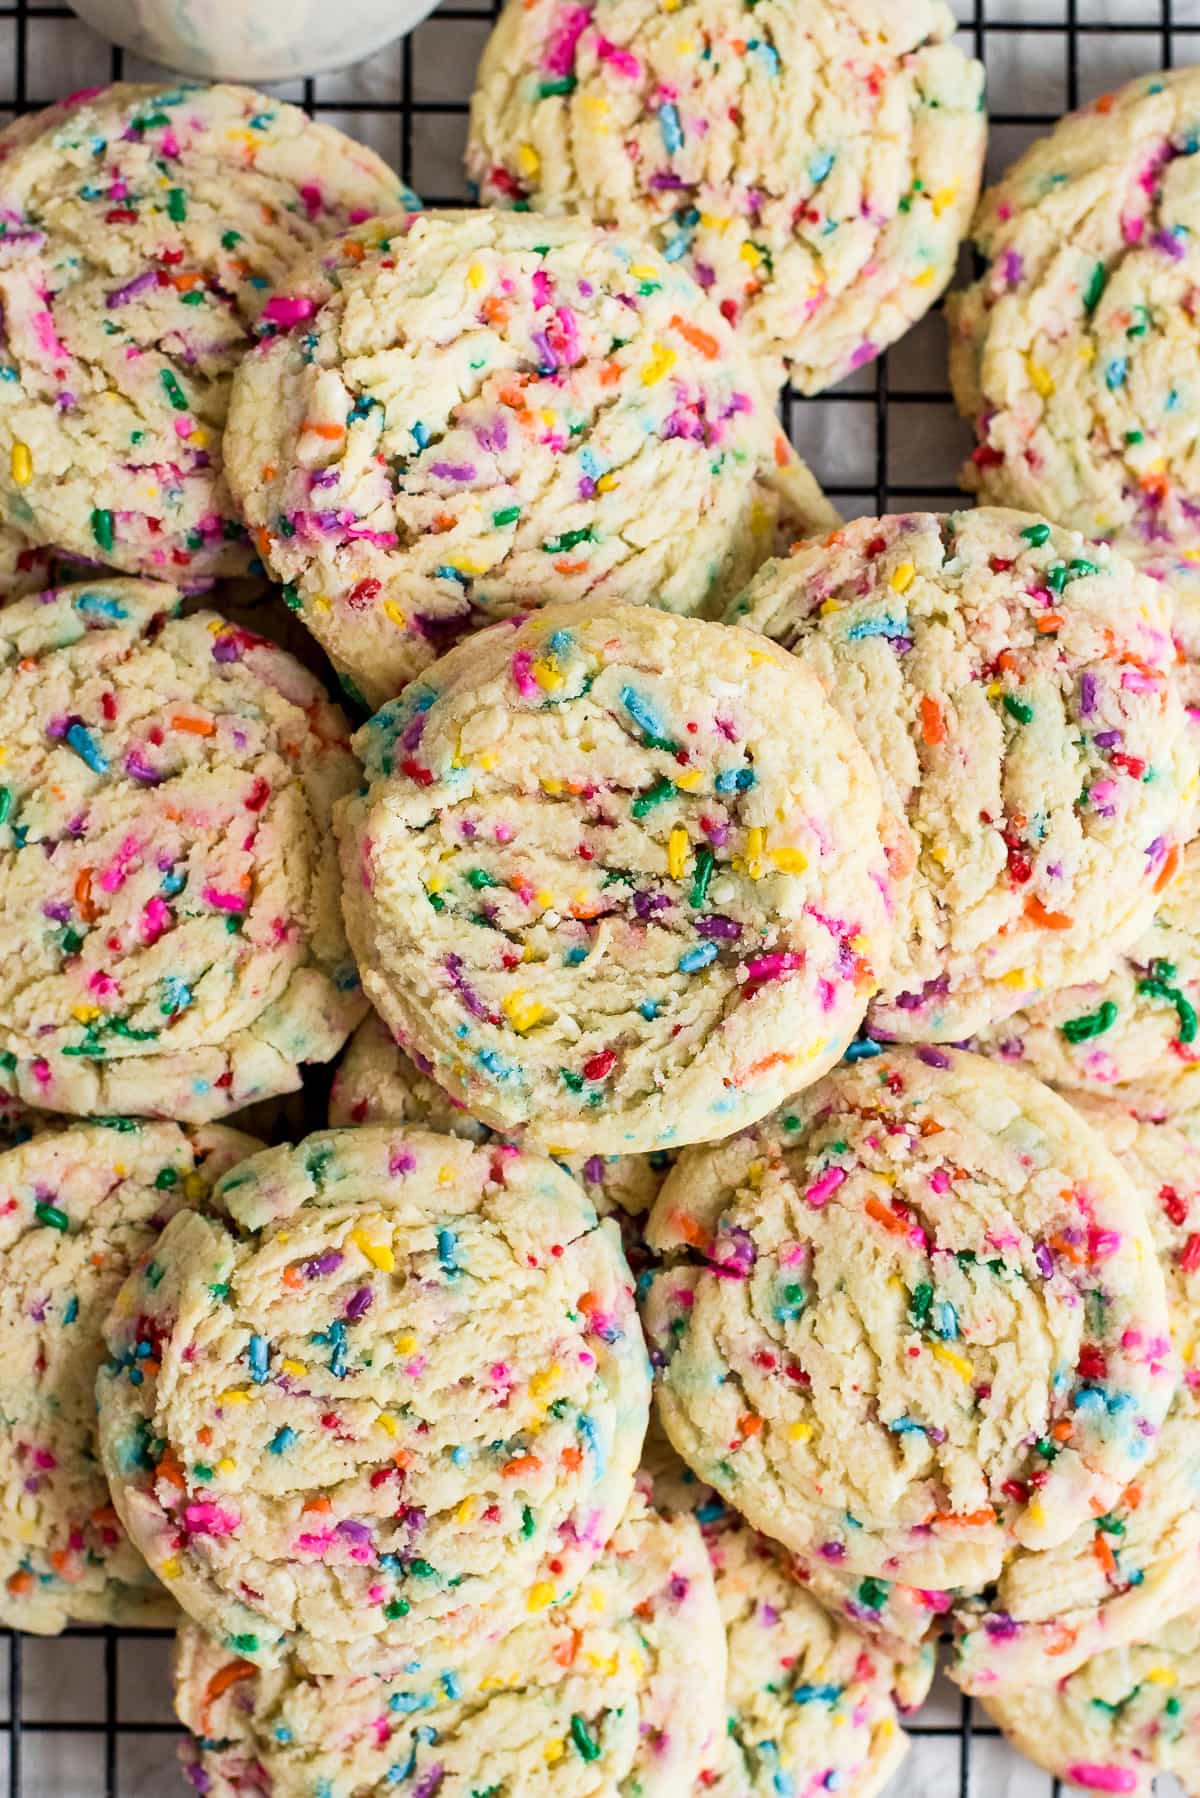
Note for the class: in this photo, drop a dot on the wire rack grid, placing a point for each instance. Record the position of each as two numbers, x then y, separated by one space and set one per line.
88 1715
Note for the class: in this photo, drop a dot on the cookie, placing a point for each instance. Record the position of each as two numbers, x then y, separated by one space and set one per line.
912 1319
1124 1717
476 412
78 1208
615 1693
815 168
144 227
377 1083
617 876
810 1707
1132 1035
1135 1566
397 1395
1073 354
1015 688
169 927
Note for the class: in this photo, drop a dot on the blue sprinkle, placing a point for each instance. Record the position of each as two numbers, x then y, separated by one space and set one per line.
906 1426
420 435
258 1356
1115 373
591 1441
446 573
649 1009
451 1685
408 1702
337 1361
447 1243
495 1063
283 1438
692 960
561 641
282 1733
768 55
820 166
176 996
946 1324
816 1694
877 627
864 1048
460 1455
172 882
672 130
87 749
735 780
573 957
101 606
71 1311
642 713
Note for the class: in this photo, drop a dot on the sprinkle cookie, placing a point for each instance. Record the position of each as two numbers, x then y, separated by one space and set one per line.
1074 354
455 416
815 166
1137 1565
78 1208
143 228
1016 691
617 876
170 941
396 1398
616 1693
911 1319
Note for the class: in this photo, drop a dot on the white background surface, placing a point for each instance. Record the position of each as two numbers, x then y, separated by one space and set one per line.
917 445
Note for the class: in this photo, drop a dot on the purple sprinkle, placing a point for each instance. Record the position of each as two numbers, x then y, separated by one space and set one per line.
716 925
119 295
832 1551
1168 241
227 647
1108 739
593 1169
453 471
1088 688
403 1161
353 1531
541 343
197 1777
470 998
933 1058
430 1783
1001 1627
319 1265
359 1303
1044 1261
1012 267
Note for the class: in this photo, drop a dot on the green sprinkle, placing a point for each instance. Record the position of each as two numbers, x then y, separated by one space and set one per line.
1080 567
177 205
244 1644
291 598
548 90
5 804
506 515
1056 577
1135 436
436 900
480 878
573 1081
195 297
1097 282
1092 1023
585 1742
102 527
423 1569
1112 1526
706 861
922 1299
50 1214
1017 708
174 391
71 942
528 1522
8 1060
553 546
165 1179
662 789
1156 985
398 1607
1036 534
873 1593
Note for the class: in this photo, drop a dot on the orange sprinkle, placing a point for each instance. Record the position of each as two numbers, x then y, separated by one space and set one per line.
564 1652
686 1226
169 1469
1050 621
20 1583
520 1464
783 450
570 568
1063 1430
1071 1250
353 251
1105 103
227 1676
970 1520
1167 872
195 727
184 280
204 1435
331 433
1131 1498
320 1505
104 1514
1037 913
572 1459
704 341
269 471
83 896
293 1279
749 1425
933 725
1104 1554
779 1058
889 1220
610 374
1062 1640
262 542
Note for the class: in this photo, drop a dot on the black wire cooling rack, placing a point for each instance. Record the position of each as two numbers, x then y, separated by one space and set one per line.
87 1715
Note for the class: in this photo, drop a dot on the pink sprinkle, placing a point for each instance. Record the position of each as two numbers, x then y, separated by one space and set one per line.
207 1519
117 872
525 684
541 289
939 1179
762 968
288 310
223 901
866 352
41 1071
570 26
184 427
1102 1776
623 61
156 918
315 1544
1132 228
825 1185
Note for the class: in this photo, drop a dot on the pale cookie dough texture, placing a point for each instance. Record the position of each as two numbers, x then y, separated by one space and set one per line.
814 164
466 414
1015 689
617 1692
1123 1718
170 938
810 1707
1074 354
617 876
396 1398
1136 1565
1133 1035
377 1083
141 230
911 1320
79 1207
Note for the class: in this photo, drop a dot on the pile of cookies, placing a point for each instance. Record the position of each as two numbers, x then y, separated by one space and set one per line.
761 947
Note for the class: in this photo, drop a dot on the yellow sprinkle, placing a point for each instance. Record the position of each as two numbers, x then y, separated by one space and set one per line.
445 1174
85 1014
377 1253
544 899
660 364
925 277
553 787
392 611
595 104
235 1396
486 760
171 1569
227 1464
387 1423
22 464
751 254
546 675
554 1751
297 1369
321 603
643 271
940 854
714 221
543 1382
435 883
199 438
903 577
789 861
194 1189
1041 378
945 196
465 566
1035 1511
540 1596
466 1511
828 606
405 1345
688 780
1087 353
608 1664
960 1365
521 1011
1163 1676
606 483
800 1432
756 843
1018 977
475 272
885 1729
677 852
597 1599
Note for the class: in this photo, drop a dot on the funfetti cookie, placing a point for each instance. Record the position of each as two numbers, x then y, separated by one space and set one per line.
396 1394
461 415
142 229
913 1319
1017 691
615 1693
79 1207
170 938
814 166
617 877
1074 355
